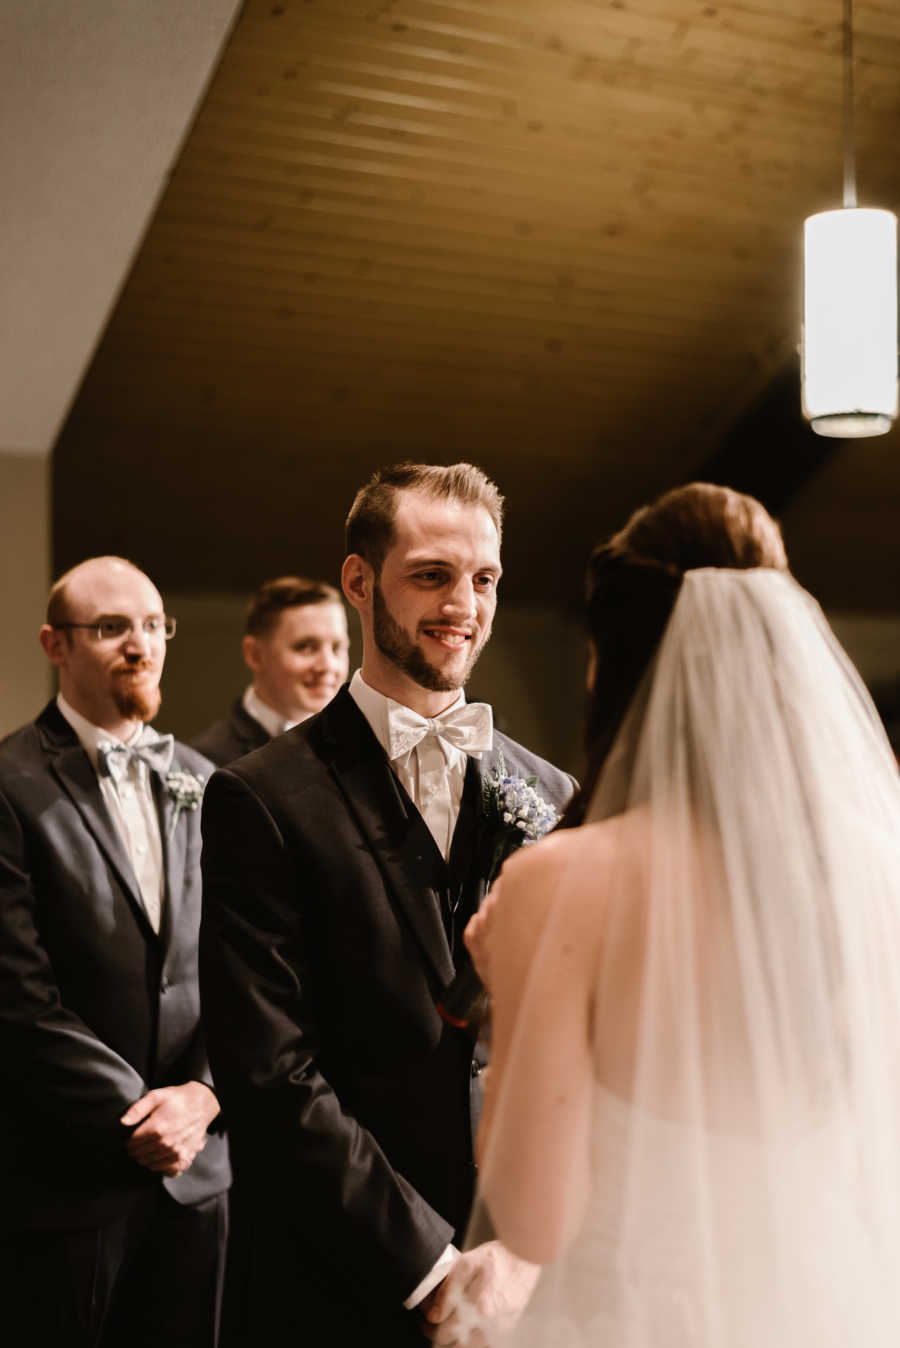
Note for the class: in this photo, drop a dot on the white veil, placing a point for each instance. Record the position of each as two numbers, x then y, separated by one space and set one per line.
732 1178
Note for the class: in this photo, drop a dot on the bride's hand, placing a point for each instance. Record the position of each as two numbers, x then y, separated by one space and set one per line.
482 1296
477 937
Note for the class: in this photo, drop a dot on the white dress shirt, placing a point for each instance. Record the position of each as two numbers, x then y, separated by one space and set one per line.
270 719
132 808
433 774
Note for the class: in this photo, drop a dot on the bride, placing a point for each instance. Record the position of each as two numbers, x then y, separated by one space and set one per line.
692 1122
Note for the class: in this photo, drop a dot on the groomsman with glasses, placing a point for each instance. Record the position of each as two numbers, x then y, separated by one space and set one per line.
113 1166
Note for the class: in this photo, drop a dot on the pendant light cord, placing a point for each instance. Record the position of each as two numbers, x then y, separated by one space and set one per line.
849 128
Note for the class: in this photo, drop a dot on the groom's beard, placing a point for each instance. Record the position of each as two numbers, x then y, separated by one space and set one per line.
395 644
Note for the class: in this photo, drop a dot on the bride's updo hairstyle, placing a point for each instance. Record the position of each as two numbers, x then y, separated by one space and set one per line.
632 584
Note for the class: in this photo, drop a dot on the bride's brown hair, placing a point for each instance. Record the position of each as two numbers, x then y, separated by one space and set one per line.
632 584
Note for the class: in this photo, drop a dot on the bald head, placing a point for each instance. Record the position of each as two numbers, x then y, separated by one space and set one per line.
111 679
60 598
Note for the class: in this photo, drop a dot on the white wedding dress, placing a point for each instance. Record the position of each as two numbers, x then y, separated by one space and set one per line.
740 873
661 1299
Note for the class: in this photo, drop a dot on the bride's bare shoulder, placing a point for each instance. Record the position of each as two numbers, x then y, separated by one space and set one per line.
567 864
559 884
564 846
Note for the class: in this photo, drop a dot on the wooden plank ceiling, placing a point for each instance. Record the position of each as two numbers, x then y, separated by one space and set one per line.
558 237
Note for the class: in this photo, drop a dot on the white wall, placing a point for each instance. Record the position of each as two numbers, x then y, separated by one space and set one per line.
95 99
872 642
25 682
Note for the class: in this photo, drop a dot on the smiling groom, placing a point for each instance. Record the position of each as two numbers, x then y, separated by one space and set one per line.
341 864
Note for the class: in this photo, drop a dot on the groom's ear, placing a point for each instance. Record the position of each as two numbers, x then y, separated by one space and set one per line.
357 582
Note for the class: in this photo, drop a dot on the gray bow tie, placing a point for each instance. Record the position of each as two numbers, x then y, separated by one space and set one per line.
114 757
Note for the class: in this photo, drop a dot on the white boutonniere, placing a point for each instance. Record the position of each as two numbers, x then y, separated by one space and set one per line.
519 812
186 791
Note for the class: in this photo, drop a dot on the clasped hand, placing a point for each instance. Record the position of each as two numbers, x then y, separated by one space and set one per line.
171 1126
487 1287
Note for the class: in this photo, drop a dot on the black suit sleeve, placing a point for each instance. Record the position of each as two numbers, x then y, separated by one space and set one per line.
326 1175
49 1057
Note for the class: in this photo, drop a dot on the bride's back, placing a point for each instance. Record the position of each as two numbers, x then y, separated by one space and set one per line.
658 970
695 1116
593 888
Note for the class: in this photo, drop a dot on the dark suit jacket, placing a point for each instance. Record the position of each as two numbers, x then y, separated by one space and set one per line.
95 1007
236 734
329 930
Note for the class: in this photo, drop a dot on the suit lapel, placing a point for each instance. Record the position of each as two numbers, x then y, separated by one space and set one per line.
392 826
486 830
461 842
467 852
72 769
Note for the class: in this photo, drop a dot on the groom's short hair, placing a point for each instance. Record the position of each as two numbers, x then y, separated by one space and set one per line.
370 524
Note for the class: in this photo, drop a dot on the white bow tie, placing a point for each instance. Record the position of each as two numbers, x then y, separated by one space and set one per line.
469 727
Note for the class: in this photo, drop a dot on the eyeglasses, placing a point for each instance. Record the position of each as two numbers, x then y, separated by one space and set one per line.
115 628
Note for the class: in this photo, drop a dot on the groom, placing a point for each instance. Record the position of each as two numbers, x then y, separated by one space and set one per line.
341 864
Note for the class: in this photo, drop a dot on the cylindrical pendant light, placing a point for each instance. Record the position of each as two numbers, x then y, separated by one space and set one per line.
850 302
850 322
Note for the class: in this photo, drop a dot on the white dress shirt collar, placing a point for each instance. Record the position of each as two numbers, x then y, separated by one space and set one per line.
432 774
90 736
271 720
376 708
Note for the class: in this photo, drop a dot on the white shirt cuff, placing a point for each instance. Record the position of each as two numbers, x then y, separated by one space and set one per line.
431 1280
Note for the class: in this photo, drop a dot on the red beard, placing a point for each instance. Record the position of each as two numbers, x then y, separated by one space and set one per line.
136 699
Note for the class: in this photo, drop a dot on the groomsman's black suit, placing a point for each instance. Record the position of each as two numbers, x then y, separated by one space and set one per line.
330 926
234 735
95 1007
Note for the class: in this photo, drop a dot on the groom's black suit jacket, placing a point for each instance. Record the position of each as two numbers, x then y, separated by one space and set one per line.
330 926
95 1006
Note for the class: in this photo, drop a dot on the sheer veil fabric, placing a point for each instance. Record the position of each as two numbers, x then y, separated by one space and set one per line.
695 1122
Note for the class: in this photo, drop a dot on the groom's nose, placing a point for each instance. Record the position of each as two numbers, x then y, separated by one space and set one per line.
458 600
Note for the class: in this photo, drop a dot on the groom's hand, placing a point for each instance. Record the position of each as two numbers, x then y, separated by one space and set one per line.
486 1287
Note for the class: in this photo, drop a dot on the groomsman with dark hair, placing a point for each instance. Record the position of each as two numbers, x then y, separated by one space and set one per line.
113 1173
341 864
296 647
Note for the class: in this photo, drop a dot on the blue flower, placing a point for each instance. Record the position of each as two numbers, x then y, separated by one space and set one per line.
522 813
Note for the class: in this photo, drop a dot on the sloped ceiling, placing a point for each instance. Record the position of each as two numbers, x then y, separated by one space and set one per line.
560 238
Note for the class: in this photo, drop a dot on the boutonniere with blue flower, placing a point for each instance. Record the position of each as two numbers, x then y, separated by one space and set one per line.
519 813
186 791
